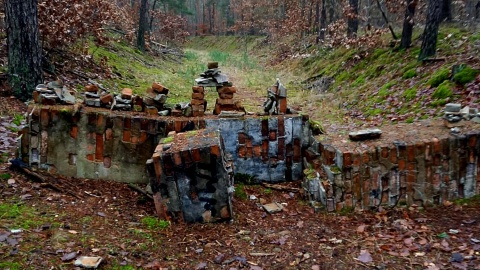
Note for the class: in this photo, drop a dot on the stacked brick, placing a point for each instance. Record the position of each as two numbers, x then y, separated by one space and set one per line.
198 103
422 172
225 100
53 93
190 177
156 98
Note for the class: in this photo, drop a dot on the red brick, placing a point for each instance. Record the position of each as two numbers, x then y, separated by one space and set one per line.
168 164
143 137
347 159
281 126
99 147
365 157
264 127
249 152
134 139
257 151
308 154
44 117
402 164
222 101
411 172
265 149
196 156
199 96
227 90
248 143
127 123
74 132
226 95
410 152
437 146
272 135
472 140
297 151
356 185
384 152
90 157
158 88
393 155
178 126
215 150
106 99
242 151
127 93
91 88
242 138
281 148
126 136
197 102
198 89
199 113
177 159
357 159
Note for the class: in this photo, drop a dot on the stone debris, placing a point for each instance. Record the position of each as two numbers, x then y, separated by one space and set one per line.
88 262
276 102
53 93
454 115
212 77
272 208
365 134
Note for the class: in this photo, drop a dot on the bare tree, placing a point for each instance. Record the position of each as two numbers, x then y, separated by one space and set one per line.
142 25
408 24
24 51
429 42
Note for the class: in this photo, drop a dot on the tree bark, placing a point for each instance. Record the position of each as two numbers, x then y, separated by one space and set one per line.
446 13
323 22
429 42
142 26
386 20
408 24
24 50
352 21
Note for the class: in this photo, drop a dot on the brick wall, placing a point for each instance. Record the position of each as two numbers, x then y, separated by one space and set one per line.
423 172
101 144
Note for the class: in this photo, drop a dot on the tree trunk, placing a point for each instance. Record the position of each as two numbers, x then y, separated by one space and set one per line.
429 42
408 24
446 13
142 26
323 22
151 18
24 51
386 20
352 21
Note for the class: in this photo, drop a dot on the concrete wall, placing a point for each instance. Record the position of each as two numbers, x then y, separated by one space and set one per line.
101 144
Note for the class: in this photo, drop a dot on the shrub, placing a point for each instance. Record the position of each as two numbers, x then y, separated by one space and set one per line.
466 75
443 91
410 94
409 74
439 77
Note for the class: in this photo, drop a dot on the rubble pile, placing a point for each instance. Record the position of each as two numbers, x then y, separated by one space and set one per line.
53 93
276 102
455 115
155 100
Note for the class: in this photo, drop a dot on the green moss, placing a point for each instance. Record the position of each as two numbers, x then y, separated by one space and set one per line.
346 210
465 75
5 176
358 82
240 192
410 120
438 102
153 223
409 74
244 178
438 77
374 112
472 201
167 140
443 91
410 94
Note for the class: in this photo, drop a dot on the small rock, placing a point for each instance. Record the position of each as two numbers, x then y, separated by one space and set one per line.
11 182
69 256
453 107
253 197
88 262
365 134
456 257
272 207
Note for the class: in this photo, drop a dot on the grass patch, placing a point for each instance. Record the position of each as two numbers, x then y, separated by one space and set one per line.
443 91
410 94
466 75
439 77
240 192
15 216
472 201
153 223
5 176
409 74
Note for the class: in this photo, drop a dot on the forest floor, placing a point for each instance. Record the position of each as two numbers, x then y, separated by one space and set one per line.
45 228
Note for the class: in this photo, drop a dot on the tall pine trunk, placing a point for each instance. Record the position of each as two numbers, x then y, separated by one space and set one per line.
429 42
24 51
408 24
142 26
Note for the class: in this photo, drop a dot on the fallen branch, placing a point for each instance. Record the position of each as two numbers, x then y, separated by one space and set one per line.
280 187
141 191
39 178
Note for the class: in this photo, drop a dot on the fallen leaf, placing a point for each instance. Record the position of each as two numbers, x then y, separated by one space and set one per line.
72 231
361 228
